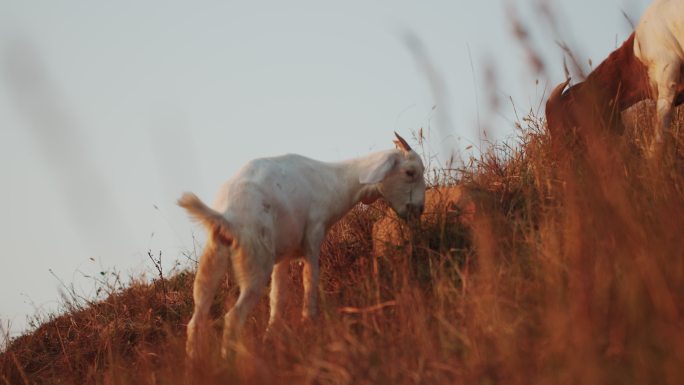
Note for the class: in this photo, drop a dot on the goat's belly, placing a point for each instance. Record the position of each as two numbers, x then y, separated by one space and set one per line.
288 243
288 252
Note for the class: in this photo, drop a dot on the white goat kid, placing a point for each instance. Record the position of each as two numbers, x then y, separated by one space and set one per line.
659 45
277 209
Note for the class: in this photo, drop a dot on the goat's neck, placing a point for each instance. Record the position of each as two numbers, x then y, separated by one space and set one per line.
621 77
348 174
343 190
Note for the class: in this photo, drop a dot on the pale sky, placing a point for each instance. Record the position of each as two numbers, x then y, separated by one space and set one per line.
110 110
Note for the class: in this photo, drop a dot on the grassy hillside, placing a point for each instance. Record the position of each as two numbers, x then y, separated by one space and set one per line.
573 273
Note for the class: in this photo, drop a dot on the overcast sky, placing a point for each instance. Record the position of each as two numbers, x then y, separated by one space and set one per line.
110 110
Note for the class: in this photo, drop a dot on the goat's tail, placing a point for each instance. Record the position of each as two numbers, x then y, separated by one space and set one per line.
217 225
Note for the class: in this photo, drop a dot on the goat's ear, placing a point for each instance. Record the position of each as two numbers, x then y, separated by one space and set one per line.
401 143
378 169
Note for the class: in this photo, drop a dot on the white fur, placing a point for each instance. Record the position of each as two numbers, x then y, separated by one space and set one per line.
659 45
277 209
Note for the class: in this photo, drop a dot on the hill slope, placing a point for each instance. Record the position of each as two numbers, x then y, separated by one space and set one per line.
574 275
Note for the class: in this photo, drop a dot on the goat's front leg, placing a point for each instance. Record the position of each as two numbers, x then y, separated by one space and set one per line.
666 76
279 288
311 272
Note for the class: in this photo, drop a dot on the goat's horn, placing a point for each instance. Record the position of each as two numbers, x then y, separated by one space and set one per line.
558 91
553 111
401 143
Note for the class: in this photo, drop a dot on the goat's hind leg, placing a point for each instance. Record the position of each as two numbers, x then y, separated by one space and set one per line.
252 268
213 265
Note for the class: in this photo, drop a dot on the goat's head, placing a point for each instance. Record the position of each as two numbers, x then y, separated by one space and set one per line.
398 175
559 111
573 114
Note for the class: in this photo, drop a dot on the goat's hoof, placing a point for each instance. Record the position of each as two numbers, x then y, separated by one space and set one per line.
228 354
654 150
269 336
309 319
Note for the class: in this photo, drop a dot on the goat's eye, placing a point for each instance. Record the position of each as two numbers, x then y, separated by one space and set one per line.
410 173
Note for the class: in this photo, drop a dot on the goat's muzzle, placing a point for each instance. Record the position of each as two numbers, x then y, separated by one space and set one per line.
411 212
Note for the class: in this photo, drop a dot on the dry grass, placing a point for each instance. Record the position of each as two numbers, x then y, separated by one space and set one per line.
575 274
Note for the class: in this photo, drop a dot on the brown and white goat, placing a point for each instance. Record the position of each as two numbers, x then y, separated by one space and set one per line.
617 83
648 65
